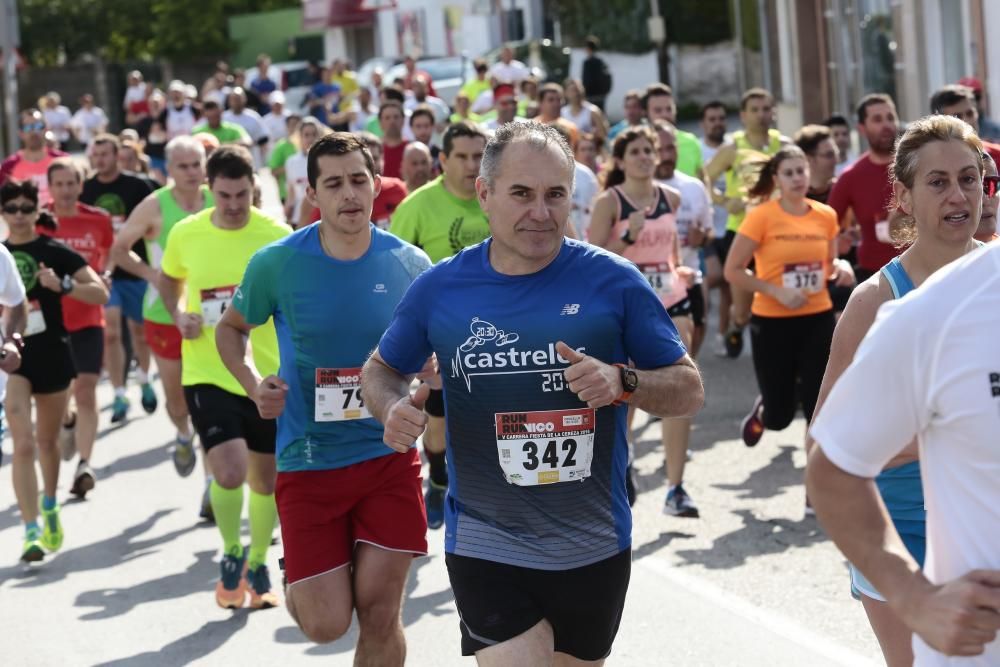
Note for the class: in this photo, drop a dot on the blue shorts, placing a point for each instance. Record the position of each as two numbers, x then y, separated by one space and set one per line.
903 496
128 295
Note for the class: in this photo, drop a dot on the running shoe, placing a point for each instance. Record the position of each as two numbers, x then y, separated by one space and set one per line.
206 512
32 551
231 591
148 398
753 424
734 342
67 440
720 346
52 531
259 587
679 503
184 456
434 502
83 480
630 486
119 409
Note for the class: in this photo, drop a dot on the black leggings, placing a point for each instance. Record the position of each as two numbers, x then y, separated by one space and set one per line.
789 357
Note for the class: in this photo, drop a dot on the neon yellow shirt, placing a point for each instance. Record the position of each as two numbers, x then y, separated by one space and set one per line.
688 153
211 262
438 222
348 88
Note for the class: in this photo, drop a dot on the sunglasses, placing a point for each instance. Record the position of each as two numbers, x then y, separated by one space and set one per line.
991 184
26 209
37 126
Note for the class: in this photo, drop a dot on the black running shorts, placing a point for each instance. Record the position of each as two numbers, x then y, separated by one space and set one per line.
497 602
219 415
697 299
87 346
46 362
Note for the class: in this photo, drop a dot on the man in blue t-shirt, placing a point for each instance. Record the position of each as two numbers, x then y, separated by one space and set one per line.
343 496
533 334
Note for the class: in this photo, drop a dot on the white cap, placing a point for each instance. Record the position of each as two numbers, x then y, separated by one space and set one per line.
276 97
177 85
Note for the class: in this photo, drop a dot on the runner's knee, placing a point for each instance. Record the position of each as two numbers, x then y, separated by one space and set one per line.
379 617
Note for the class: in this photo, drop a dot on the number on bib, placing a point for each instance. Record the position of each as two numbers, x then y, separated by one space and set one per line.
338 395
214 302
545 447
660 277
807 276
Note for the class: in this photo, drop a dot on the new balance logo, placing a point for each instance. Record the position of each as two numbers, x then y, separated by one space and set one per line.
380 288
570 309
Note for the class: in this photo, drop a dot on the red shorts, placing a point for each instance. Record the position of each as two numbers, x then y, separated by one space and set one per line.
325 513
163 339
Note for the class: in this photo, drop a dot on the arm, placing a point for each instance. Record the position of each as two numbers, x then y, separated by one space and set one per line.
170 289
669 391
231 336
602 222
842 273
143 222
88 287
736 274
387 395
720 164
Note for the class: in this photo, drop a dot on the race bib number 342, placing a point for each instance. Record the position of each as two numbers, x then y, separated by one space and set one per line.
338 395
545 447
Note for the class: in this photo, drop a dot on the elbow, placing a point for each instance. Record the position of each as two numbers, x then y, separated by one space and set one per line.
730 273
695 394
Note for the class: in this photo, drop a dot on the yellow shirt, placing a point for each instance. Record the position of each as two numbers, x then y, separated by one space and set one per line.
348 88
210 261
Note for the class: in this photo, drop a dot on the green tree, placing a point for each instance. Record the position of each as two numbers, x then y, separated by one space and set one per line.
621 25
119 30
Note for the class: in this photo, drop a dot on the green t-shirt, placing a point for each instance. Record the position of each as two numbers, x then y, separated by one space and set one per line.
283 150
170 214
439 222
226 133
688 153
211 262
373 126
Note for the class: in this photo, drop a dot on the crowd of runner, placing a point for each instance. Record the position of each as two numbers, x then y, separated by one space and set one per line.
509 279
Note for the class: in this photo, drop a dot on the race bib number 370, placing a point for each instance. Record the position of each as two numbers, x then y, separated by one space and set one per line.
545 447
338 395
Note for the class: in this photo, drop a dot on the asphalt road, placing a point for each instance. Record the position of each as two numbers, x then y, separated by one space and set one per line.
750 583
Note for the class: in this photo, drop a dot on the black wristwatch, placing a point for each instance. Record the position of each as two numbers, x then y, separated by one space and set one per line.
628 240
630 382
67 284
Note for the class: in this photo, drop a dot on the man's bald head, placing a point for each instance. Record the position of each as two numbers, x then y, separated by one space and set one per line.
417 164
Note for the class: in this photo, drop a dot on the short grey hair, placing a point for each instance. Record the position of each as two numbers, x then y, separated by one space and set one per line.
184 143
538 135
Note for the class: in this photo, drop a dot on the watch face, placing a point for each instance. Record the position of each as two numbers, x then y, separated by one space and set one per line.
630 381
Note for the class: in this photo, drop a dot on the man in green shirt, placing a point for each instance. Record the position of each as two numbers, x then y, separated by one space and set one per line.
284 149
224 131
443 217
476 87
658 103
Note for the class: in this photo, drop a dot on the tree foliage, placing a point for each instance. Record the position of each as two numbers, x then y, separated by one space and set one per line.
621 25
54 31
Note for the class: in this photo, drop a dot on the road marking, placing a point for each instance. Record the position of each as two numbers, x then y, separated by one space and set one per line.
776 623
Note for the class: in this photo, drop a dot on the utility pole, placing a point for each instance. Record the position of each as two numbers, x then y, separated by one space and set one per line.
658 35
10 39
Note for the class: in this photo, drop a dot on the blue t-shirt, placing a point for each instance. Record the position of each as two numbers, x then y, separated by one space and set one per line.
328 315
513 426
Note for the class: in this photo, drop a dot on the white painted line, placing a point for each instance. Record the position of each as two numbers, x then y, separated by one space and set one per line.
776 623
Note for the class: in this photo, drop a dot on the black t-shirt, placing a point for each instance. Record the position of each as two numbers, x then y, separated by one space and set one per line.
60 258
118 198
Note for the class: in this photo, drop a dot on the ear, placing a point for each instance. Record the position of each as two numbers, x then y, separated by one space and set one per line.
311 196
903 196
482 193
378 184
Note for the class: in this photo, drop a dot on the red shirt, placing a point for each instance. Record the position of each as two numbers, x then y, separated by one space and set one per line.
90 234
392 160
393 191
866 189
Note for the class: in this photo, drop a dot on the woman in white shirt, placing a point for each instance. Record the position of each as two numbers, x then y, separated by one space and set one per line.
586 116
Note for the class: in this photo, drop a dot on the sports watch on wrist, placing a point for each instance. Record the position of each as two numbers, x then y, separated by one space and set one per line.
630 382
67 284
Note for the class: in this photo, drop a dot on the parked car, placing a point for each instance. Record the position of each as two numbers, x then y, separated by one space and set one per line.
448 74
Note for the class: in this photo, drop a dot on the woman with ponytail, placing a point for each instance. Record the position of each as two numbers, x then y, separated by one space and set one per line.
49 270
792 241
635 217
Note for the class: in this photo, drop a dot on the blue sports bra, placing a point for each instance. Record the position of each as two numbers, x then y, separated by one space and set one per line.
898 279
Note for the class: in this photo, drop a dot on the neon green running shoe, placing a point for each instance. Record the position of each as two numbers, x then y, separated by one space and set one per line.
52 530
32 551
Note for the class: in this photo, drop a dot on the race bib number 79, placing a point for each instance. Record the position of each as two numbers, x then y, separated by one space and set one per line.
338 395
545 447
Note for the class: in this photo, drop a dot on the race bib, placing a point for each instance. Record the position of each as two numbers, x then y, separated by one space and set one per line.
338 395
882 231
660 277
807 276
545 447
214 302
36 319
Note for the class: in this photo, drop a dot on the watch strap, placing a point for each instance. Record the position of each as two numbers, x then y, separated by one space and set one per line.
625 395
